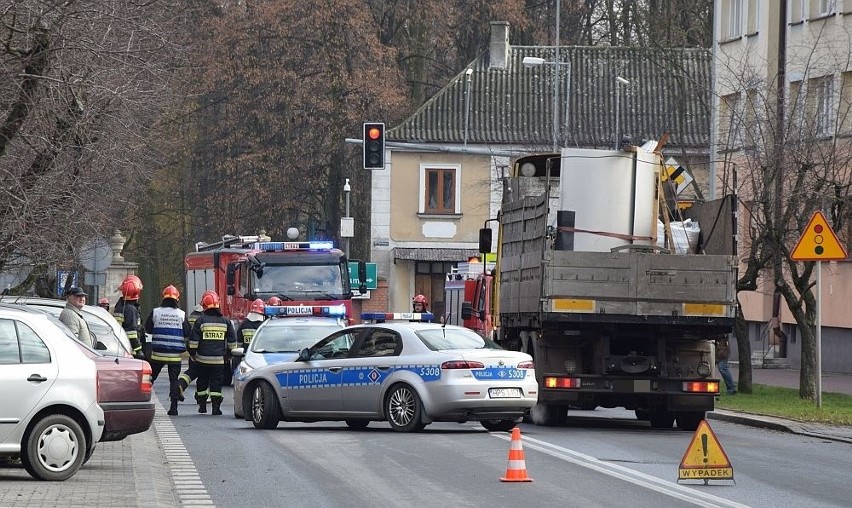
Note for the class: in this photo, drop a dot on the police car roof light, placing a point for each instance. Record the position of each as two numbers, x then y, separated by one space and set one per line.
397 316
282 246
305 310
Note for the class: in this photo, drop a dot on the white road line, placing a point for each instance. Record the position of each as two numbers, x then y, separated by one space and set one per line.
188 487
623 473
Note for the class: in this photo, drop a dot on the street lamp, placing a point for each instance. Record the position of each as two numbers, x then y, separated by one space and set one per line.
534 61
468 73
618 81
347 224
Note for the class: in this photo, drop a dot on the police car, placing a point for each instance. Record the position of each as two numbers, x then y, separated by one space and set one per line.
408 373
288 330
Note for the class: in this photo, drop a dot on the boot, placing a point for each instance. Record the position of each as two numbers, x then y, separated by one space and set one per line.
216 403
173 408
180 391
202 404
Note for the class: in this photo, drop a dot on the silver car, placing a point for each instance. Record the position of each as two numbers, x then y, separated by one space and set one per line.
49 413
278 340
407 373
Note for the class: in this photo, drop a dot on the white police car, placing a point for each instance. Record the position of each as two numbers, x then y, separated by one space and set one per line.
408 373
288 330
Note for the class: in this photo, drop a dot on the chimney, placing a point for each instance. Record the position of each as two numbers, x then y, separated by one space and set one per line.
499 48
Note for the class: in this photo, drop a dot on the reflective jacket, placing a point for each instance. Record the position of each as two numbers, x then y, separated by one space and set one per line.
127 314
169 330
212 337
246 330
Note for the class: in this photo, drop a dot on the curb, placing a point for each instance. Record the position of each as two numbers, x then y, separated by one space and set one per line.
778 424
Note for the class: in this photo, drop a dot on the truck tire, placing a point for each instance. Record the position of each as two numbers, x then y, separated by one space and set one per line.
661 419
643 415
498 425
689 420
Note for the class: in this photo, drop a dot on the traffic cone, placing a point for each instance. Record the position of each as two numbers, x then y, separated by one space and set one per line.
516 470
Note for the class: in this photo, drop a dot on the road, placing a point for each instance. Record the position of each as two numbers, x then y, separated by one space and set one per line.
602 458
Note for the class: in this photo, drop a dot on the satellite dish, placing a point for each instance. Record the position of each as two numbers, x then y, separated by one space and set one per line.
96 255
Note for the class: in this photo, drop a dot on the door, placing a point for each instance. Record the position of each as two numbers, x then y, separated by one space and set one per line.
371 362
26 374
314 386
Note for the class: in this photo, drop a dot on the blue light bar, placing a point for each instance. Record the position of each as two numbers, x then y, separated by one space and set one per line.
305 310
397 316
282 246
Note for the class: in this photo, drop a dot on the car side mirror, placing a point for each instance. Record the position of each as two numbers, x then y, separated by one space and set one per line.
485 240
238 351
304 355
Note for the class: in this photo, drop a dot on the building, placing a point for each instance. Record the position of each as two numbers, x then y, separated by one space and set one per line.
786 72
444 164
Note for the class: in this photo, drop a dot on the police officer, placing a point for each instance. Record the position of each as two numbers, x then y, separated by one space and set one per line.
169 330
212 337
126 312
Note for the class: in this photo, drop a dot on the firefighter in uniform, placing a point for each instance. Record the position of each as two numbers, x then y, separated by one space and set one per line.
247 328
419 305
126 312
168 329
211 339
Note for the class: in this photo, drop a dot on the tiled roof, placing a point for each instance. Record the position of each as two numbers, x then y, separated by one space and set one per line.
668 92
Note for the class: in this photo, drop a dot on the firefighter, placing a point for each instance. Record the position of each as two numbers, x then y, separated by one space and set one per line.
274 301
419 305
126 312
104 303
169 329
211 339
247 328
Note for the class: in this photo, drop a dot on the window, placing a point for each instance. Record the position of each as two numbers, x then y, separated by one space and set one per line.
20 344
735 18
440 186
729 121
9 353
819 105
823 7
794 98
753 16
751 129
845 111
379 343
33 349
798 10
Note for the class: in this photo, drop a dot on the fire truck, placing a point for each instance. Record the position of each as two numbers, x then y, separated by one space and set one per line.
468 295
243 268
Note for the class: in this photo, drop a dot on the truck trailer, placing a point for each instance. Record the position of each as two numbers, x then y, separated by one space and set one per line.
589 281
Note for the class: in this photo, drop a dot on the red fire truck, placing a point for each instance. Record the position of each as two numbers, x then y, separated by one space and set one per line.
243 268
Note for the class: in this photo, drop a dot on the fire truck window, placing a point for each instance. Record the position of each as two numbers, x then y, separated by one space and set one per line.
242 280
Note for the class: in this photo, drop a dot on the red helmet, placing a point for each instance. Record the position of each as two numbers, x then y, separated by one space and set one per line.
171 292
420 299
210 300
136 280
273 300
130 289
103 302
258 306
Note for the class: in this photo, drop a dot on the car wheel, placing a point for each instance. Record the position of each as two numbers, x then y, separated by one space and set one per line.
689 420
498 425
661 419
265 411
54 448
357 424
404 409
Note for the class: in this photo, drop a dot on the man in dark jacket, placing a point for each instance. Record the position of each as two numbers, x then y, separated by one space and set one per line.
212 337
126 312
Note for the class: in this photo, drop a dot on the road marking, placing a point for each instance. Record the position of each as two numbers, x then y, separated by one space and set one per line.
188 486
623 473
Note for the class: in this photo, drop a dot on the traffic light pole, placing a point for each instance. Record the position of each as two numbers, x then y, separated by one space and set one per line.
818 334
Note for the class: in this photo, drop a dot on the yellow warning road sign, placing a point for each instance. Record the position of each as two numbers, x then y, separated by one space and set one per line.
704 458
818 242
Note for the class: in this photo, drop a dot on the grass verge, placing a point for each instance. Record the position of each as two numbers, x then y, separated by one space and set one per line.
785 403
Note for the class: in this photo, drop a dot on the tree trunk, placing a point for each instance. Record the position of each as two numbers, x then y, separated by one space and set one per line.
744 381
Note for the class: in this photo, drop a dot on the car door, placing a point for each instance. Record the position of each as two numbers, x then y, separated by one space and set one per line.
27 371
313 386
371 362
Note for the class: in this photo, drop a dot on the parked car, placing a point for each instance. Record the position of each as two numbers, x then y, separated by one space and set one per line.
124 383
49 412
278 340
101 323
409 374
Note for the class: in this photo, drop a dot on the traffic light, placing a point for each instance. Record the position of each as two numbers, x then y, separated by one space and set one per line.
374 145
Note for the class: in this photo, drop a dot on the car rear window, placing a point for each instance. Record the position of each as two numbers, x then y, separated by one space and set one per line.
442 339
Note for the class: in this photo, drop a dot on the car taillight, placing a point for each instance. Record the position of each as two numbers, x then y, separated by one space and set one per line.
462 364
146 378
98 386
701 386
561 382
526 365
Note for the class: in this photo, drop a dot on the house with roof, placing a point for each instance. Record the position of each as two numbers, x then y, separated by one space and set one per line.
445 163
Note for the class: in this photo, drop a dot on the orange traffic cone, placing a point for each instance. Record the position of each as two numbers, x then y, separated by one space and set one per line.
516 470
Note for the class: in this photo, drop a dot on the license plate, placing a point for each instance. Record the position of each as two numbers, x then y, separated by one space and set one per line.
504 393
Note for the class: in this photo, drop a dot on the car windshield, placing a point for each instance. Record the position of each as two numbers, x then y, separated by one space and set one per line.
284 338
446 338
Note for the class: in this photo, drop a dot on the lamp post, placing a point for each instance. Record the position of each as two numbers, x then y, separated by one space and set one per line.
346 224
534 61
618 81
468 73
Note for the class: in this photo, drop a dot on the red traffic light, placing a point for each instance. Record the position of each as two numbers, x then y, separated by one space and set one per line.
374 133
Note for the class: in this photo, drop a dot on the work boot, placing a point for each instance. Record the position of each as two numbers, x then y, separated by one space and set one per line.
202 404
173 408
216 403
180 391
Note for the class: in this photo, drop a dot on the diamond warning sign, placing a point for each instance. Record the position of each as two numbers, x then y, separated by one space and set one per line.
704 458
818 242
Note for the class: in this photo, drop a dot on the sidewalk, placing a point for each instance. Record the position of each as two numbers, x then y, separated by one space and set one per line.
789 378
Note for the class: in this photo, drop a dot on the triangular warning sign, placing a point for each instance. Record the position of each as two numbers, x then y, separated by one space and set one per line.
818 242
704 458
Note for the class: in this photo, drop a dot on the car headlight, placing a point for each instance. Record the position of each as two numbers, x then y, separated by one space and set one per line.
243 369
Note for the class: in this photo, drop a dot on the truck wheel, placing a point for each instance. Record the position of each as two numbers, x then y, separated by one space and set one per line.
643 415
498 425
54 449
661 419
265 411
689 420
